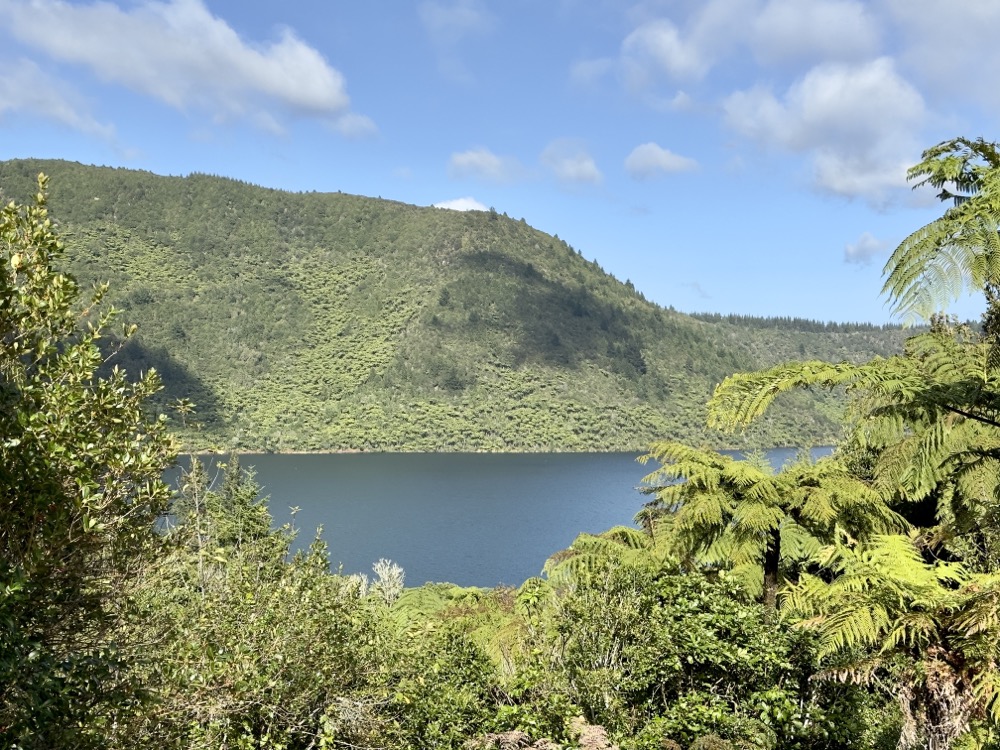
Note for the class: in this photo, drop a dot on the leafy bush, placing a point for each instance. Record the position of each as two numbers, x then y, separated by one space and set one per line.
80 466
442 688
255 648
662 655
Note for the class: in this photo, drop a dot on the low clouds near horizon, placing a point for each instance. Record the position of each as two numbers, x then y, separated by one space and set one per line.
481 163
468 203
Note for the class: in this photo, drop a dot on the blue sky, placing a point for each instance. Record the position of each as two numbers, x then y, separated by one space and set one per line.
733 156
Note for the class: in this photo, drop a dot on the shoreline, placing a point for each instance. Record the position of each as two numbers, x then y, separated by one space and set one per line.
358 451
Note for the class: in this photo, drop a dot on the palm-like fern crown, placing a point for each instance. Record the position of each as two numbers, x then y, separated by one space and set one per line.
923 436
881 594
884 600
928 418
961 250
722 510
591 553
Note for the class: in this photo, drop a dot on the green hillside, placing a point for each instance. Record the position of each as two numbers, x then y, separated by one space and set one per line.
308 321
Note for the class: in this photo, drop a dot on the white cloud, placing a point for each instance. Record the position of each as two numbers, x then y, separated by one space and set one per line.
481 163
857 121
353 125
951 46
179 53
865 249
449 23
25 88
658 48
813 30
873 176
570 163
651 160
680 102
686 49
467 203
696 37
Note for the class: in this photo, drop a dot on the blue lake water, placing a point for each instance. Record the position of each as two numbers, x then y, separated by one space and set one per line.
471 519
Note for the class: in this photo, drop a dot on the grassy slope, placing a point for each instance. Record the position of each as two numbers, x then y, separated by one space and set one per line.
332 322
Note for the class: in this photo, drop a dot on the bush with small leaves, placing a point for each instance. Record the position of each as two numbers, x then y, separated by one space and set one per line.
80 488
660 655
257 647
388 584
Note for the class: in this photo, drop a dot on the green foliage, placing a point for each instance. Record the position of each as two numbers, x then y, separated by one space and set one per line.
225 518
741 514
80 467
334 322
924 426
255 648
589 554
932 627
961 249
920 611
442 688
658 655
346 322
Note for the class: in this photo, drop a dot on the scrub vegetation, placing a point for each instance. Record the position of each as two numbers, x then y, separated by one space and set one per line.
848 602
325 322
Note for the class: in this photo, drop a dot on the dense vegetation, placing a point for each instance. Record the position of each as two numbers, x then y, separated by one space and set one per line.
847 602
336 322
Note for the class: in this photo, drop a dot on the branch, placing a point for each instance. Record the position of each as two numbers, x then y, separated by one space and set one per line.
971 415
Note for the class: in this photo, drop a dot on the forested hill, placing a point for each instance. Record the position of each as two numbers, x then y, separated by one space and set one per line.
309 321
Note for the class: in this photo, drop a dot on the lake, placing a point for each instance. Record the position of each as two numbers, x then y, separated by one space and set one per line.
478 519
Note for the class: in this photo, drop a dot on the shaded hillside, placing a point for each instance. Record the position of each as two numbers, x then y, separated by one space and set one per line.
335 322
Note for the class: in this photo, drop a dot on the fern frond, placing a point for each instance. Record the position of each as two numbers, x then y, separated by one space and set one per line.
590 553
743 397
797 543
934 264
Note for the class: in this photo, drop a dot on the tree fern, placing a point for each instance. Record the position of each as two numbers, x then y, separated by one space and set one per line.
921 610
926 418
960 250
591 553
726 512
931 628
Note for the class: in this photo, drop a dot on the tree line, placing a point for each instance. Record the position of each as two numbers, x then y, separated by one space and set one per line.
794 324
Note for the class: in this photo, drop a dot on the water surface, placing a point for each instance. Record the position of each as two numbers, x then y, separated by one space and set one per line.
472 519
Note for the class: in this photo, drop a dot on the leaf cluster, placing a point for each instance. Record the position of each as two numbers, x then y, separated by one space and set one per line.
80 467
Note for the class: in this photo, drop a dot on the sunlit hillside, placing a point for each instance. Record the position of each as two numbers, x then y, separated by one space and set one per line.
316 321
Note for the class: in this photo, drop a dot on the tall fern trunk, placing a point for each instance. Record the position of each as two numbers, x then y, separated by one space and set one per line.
772 558
940 707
